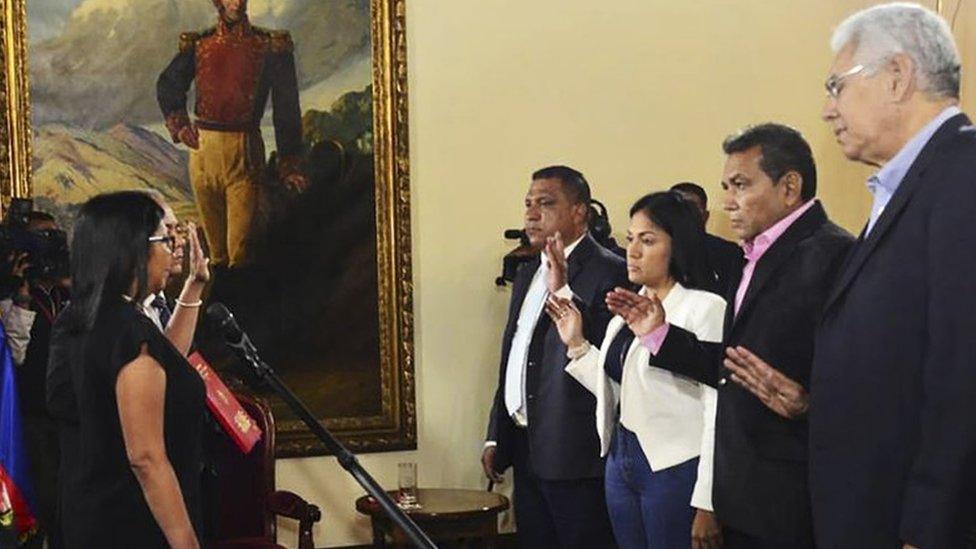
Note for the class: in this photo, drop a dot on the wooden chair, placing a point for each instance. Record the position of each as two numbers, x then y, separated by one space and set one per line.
248 501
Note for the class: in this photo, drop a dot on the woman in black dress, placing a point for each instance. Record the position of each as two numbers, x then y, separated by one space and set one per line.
140 404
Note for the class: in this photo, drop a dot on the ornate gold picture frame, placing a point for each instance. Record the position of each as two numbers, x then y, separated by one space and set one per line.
384 417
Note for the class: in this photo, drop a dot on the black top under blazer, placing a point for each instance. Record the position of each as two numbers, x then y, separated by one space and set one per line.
893 412
562 438
760 473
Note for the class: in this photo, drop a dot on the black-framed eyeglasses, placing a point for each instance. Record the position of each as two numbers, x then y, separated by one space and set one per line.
168 240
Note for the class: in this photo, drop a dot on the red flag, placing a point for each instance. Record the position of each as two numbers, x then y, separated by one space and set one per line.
16 493
14 511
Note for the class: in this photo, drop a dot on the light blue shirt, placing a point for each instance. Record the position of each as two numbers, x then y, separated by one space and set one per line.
886 181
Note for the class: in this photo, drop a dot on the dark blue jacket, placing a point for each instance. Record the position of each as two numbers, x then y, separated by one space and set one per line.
893 411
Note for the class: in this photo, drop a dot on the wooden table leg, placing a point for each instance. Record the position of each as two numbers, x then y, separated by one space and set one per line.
488 536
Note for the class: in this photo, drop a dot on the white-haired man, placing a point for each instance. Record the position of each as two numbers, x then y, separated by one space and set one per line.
893 388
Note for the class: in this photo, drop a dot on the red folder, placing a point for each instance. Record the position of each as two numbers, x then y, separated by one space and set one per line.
228 411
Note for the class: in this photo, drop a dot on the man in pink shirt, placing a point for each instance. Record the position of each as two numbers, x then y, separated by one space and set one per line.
792 252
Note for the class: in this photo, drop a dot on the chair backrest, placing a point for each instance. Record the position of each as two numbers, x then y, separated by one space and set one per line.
246 482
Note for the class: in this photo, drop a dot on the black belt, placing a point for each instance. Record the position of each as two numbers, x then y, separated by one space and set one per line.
245 127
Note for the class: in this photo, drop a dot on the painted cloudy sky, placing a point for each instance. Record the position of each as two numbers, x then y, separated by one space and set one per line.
94 63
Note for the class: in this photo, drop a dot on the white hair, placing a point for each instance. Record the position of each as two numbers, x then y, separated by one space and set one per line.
879 32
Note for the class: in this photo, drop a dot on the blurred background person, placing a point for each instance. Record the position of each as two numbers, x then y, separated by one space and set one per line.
39 289
179 322
15 308
653 424
724 258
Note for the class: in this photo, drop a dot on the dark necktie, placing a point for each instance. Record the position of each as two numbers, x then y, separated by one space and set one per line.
614 366
159 303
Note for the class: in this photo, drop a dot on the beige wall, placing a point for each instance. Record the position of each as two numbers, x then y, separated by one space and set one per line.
637 94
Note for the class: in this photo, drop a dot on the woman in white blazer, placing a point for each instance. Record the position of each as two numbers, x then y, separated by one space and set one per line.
656 428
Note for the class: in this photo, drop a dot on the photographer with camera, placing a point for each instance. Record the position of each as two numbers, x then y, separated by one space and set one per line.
38 288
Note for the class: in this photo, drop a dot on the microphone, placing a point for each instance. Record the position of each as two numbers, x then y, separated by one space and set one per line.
514 234
221 317
224 320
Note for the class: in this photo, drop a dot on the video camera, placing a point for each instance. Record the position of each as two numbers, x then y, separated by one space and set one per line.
598 222
47 250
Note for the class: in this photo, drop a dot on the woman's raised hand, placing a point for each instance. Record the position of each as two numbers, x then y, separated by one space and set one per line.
643 314
568 320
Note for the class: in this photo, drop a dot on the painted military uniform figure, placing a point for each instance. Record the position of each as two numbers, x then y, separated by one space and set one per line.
235 67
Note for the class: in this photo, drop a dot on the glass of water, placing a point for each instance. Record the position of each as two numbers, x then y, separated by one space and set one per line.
407 482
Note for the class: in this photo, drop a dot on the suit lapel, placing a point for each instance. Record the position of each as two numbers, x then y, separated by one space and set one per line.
523 279
520 287
911 182
778 254
730 299
581 254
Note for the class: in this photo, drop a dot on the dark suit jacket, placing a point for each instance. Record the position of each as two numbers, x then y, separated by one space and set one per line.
760 474
724 261
893 412
563 443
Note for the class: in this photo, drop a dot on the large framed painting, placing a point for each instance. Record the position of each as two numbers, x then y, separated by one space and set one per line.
278 127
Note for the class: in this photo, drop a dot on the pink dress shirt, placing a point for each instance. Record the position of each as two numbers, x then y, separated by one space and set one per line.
760 244
754 251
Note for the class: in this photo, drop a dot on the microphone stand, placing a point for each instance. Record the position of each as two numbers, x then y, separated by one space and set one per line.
346 458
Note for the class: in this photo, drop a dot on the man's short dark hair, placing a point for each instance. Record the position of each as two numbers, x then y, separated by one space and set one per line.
573 182
783 150
688 187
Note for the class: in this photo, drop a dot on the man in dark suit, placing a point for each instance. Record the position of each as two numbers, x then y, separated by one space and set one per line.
724 257
893 410
792 253
541 421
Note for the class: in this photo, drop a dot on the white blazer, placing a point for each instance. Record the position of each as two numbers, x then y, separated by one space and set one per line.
673 416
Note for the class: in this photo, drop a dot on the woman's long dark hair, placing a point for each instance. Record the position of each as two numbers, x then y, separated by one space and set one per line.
110 249
677 216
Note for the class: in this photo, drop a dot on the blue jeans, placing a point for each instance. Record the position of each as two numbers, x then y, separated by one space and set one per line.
648 509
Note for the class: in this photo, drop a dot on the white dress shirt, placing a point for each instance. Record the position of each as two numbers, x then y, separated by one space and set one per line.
150 311
518 355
